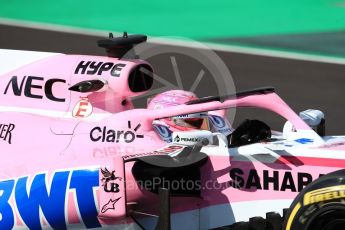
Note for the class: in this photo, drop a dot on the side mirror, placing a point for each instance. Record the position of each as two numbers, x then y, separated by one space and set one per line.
315 119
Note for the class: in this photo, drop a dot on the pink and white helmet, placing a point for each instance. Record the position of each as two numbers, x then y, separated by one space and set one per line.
182 122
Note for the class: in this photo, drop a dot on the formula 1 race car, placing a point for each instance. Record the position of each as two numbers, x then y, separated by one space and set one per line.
75 153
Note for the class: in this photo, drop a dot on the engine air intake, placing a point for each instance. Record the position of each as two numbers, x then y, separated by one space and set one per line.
140 79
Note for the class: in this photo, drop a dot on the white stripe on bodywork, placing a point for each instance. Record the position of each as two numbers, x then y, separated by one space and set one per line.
13 59
226 214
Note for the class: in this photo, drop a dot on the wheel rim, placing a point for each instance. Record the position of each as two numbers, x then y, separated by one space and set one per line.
330 218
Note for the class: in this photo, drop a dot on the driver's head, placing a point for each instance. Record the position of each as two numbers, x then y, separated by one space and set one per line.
183 122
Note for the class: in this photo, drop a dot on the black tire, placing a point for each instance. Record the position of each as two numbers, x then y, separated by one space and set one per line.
320 205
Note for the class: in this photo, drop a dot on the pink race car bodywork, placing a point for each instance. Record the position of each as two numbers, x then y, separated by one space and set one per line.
68 156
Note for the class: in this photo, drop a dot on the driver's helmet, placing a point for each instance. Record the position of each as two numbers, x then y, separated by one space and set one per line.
185 122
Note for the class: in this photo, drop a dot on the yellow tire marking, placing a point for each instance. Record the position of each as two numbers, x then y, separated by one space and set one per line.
292 215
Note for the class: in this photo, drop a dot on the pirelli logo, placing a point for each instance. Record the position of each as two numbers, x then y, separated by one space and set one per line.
324 194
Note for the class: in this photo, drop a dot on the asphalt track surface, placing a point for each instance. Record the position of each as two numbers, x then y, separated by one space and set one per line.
302 84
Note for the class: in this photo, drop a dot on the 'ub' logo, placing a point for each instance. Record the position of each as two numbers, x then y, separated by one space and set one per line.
108 178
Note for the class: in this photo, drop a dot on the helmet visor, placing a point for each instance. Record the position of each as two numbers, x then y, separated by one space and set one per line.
195 123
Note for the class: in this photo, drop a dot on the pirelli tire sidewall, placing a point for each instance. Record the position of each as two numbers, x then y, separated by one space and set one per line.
307 208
